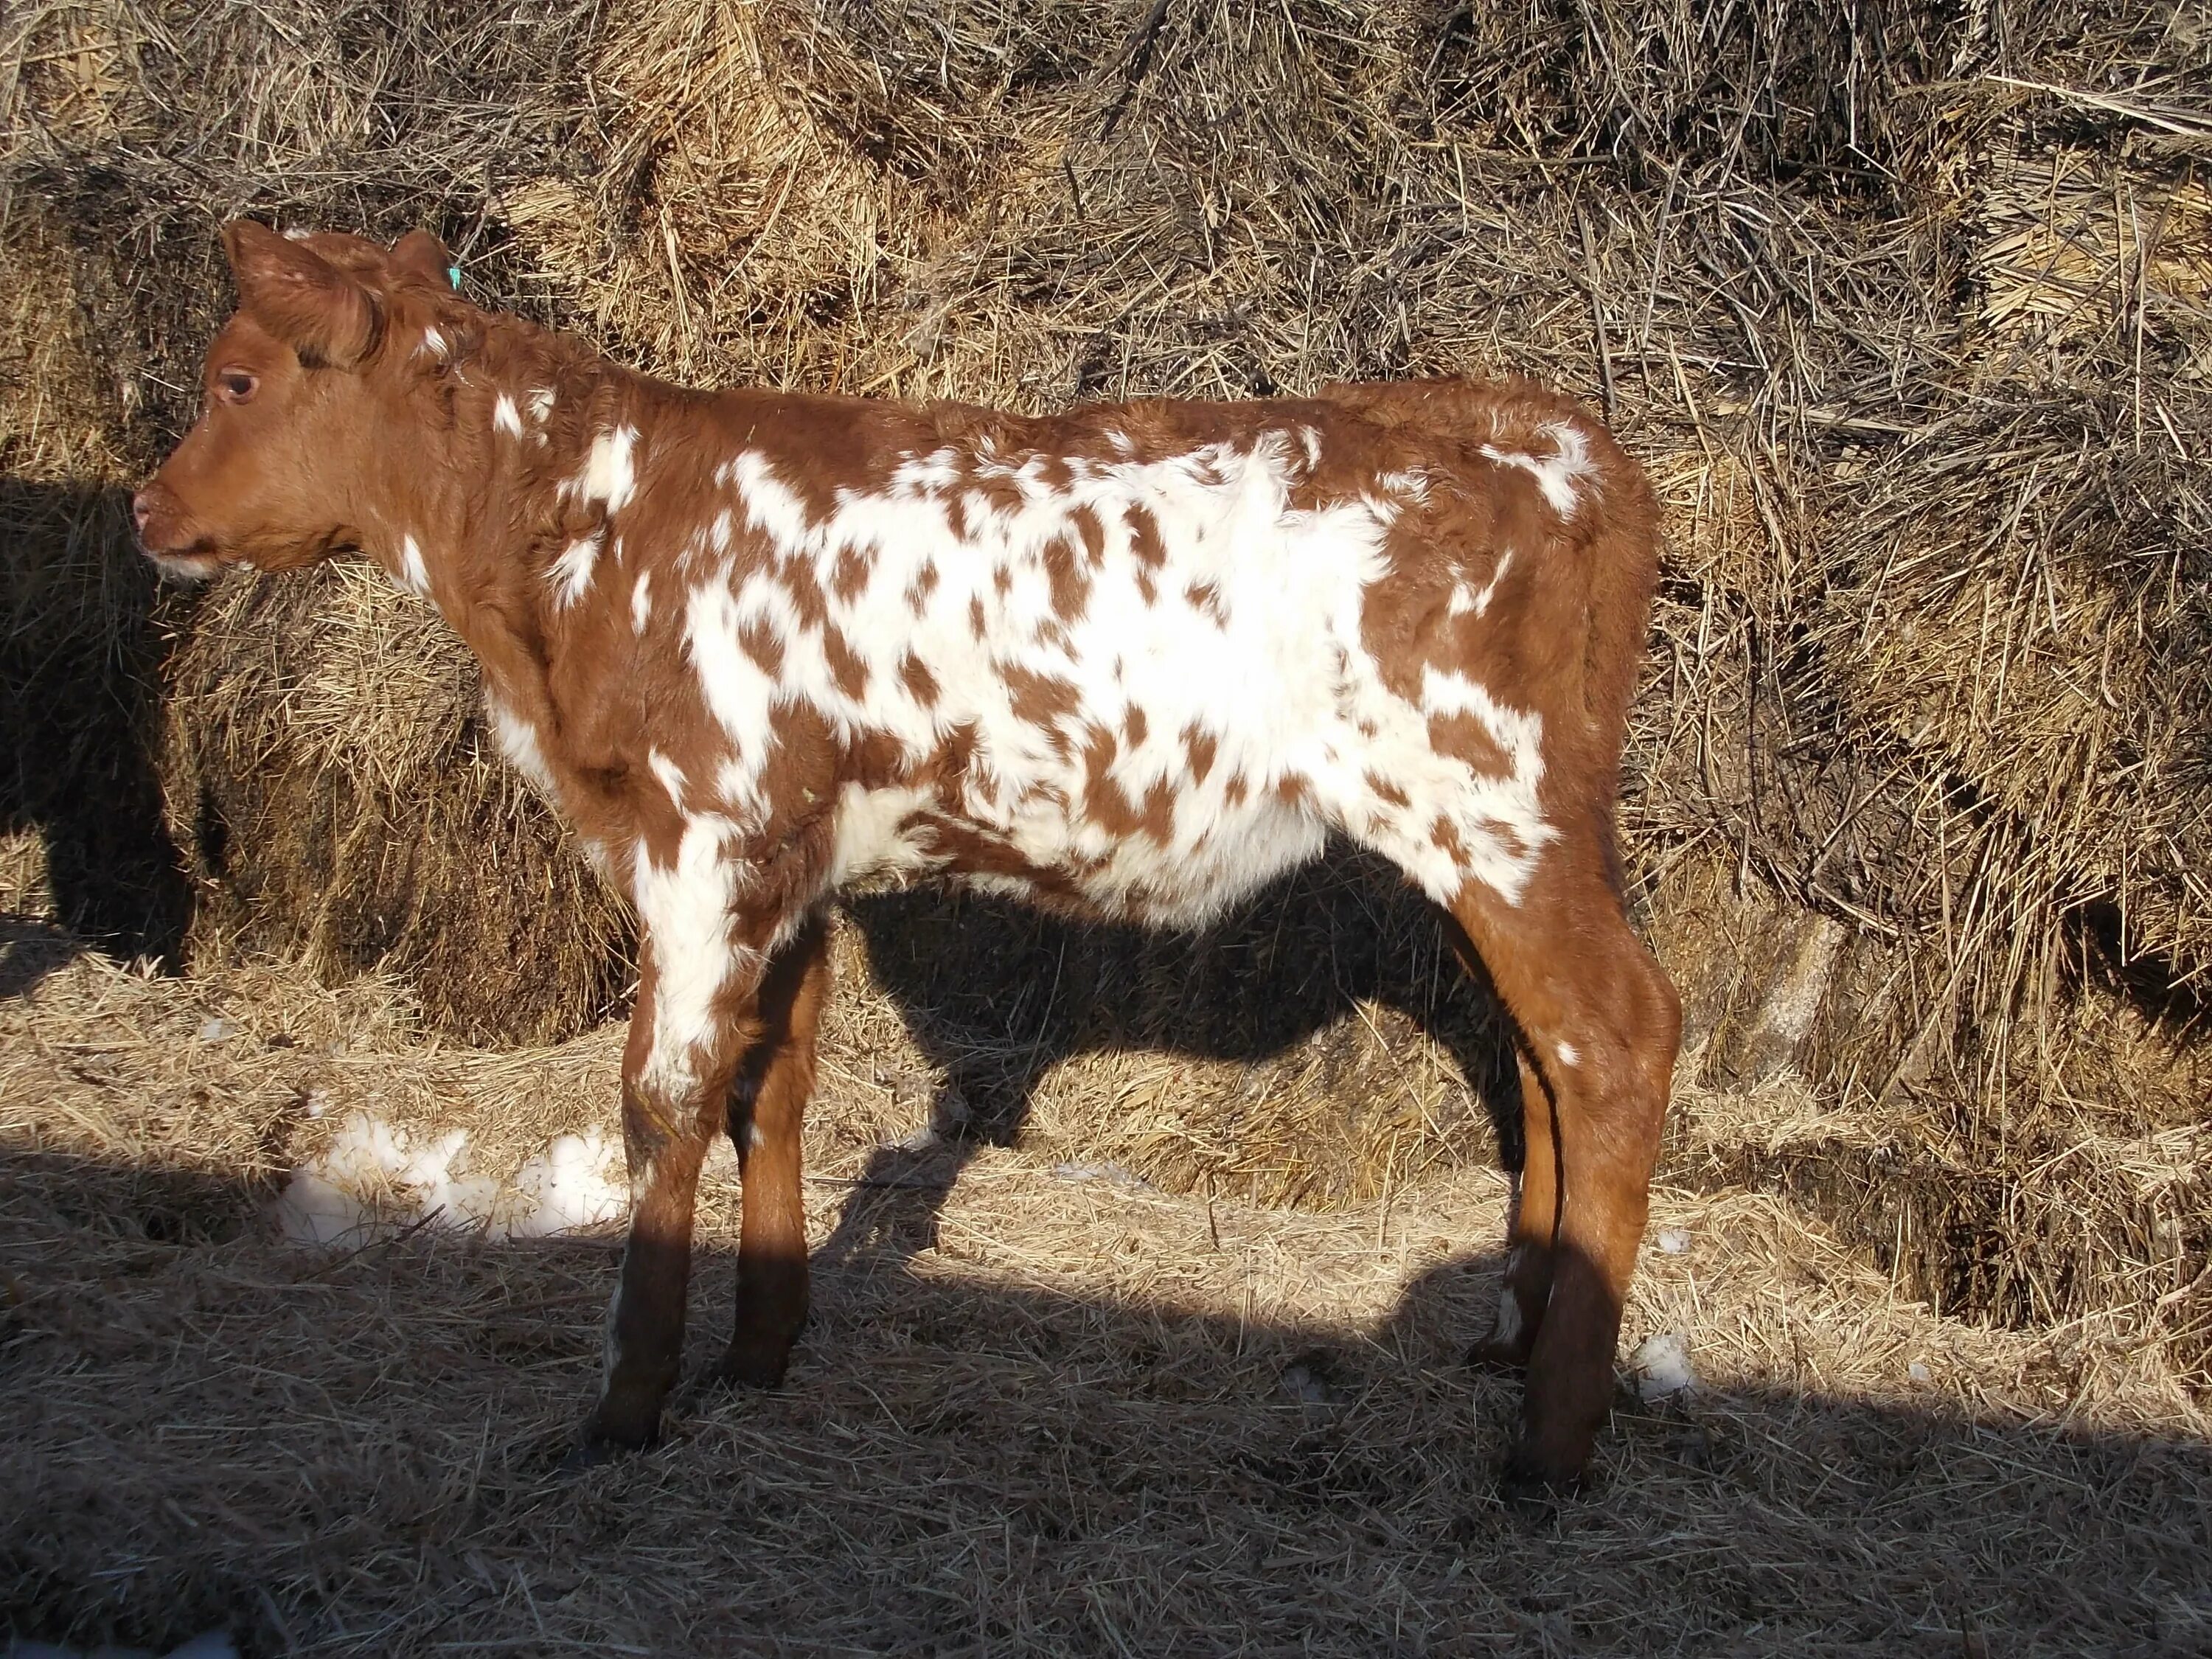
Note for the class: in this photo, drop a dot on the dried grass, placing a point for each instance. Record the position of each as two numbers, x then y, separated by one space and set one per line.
330 777
1067 1417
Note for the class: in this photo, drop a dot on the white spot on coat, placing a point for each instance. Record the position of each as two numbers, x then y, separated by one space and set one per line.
414 574
1466 601
571 574
874 834
1507 1331
641 602
687 908
1568 1053
518 741
609 474
1558 473
505 417
671 776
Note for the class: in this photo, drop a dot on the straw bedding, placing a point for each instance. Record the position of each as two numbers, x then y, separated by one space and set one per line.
1069 1414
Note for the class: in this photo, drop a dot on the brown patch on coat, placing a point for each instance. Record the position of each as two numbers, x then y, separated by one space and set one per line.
849 579
804 587
1202 747
1387 791
923 585
849 673
1042 700
758 641
1144 540
1090 532
920 682
1070 581
1464 738
1205 596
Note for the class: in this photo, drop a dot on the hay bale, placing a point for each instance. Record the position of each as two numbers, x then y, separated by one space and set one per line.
338 799
1916 791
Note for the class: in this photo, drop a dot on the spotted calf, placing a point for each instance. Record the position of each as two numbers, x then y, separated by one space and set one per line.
1128 661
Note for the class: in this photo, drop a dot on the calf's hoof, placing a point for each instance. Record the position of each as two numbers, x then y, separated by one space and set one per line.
624 1421
1534 1487
592 1451
753 1364
1497 1354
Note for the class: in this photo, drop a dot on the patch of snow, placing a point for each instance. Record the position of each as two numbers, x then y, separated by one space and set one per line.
1662 1363
1112 1173
1919 1373
215 1030
1673 1241
574 1183
376 1178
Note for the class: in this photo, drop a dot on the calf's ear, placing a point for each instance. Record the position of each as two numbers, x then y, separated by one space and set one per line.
321 311
418 253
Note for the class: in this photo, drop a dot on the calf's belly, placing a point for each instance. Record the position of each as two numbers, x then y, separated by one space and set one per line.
1180 871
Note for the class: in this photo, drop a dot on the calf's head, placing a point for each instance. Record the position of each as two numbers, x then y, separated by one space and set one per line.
302 433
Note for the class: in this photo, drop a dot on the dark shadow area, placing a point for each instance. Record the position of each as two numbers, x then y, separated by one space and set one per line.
30 949
996 993
2097 958
349 1451
79 697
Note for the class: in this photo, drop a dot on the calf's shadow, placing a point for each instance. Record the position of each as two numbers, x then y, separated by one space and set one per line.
996 993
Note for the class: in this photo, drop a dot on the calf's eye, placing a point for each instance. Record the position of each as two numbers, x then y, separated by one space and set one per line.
236 386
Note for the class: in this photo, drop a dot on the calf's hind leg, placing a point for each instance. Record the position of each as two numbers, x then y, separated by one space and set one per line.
1601 1023
766 1106
1532 1231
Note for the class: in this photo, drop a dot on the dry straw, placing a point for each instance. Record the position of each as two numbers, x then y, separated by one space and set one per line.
1069 1416
1906 304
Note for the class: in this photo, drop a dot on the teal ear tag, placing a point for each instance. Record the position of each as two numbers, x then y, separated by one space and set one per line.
454 274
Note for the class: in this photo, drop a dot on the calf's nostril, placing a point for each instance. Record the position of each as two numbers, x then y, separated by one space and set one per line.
140 511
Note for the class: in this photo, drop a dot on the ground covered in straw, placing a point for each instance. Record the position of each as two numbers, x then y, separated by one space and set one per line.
1052 1410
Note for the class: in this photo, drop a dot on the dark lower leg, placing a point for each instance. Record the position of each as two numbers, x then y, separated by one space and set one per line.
1529 1234
766 1113
1571 1383
674 1084
1610 1105
1527 1280
645 1322
1598 1023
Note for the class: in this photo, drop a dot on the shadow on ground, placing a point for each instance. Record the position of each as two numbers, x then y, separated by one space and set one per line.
996 993
353 1452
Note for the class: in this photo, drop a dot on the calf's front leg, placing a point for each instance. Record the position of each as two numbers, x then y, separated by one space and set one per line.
694 1017
767 1105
